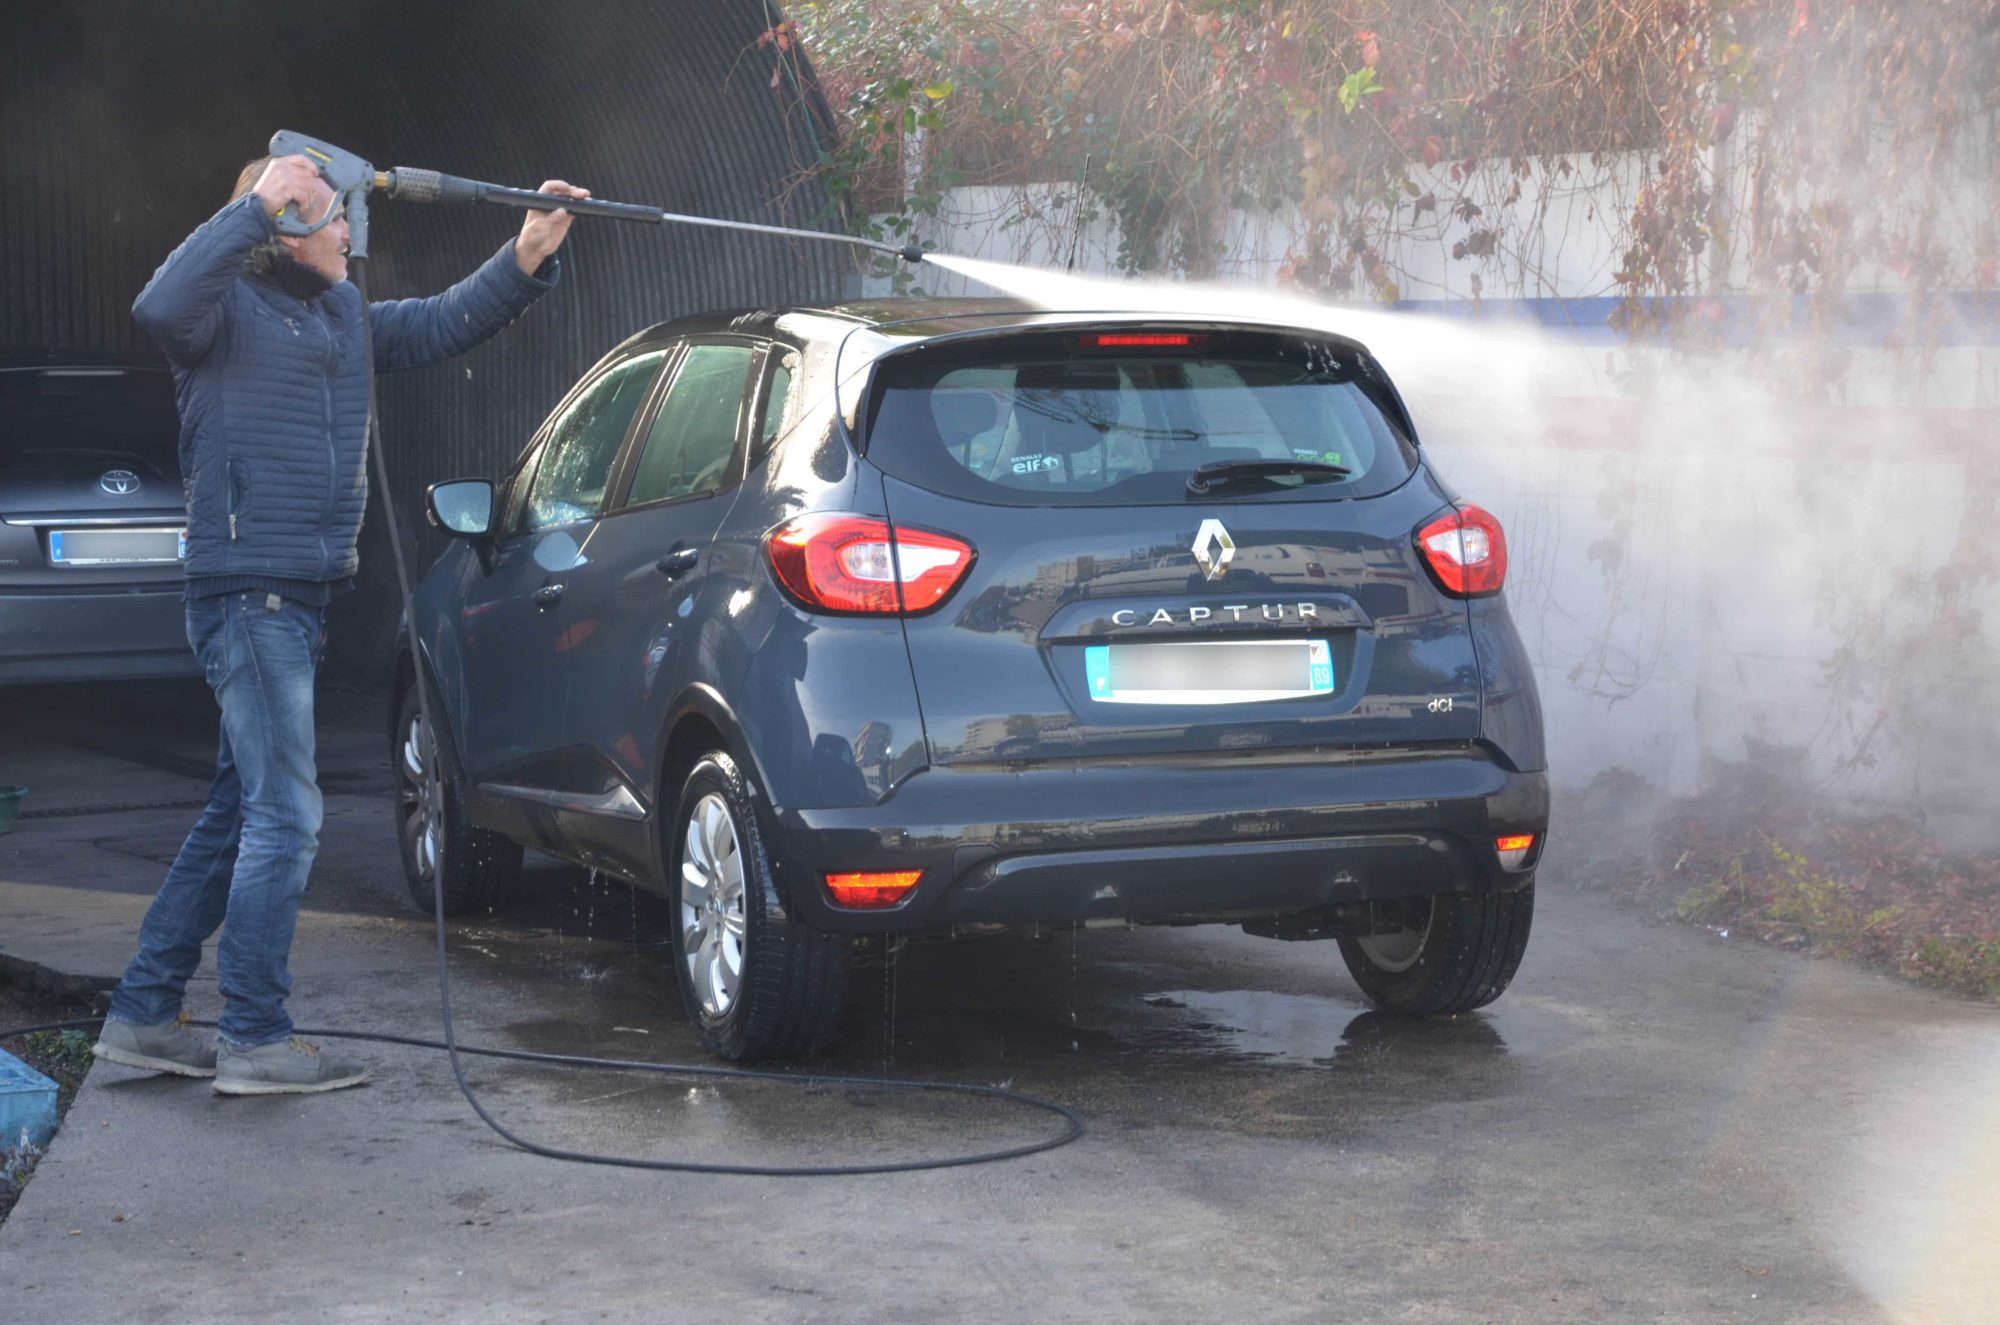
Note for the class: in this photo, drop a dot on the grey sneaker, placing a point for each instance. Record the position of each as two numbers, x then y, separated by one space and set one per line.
168 1047
286 1067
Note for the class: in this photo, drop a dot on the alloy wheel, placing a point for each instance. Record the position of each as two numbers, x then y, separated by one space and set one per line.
418 797
1398 950
711 904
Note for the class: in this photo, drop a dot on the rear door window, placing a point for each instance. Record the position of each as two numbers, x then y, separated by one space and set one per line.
1061 421
777 397
691 447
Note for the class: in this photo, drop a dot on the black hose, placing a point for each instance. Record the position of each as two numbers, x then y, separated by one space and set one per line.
1071 1133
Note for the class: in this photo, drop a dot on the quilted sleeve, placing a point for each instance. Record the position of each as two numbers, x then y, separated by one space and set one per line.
410 333
182 306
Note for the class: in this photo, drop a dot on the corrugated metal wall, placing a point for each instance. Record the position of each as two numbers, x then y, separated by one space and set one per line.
122 126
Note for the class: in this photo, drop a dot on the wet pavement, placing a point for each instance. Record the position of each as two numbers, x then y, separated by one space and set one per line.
1654 1124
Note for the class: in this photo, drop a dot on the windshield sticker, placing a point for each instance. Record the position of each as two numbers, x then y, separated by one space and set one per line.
1036 464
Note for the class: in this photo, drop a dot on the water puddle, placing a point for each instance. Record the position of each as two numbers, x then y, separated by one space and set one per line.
1317 1031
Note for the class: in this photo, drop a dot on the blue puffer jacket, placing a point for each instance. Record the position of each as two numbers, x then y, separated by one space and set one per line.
273 390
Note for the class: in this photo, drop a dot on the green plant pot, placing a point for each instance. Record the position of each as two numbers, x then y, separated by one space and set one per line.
10 807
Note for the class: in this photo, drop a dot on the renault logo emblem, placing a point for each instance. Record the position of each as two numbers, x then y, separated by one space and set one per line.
1214 549
119 482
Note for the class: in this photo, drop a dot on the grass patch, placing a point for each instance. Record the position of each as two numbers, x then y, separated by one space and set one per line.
1780 892
62 1056
1960 961
1758 857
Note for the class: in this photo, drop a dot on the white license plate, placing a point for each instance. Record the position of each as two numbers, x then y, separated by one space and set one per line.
1208 671
117 547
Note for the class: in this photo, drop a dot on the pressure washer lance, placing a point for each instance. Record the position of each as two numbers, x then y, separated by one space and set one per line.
348 174
352 177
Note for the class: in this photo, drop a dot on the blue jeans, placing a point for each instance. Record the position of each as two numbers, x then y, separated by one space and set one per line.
243 868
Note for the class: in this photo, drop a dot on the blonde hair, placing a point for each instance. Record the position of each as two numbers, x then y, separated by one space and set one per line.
247 178
264 258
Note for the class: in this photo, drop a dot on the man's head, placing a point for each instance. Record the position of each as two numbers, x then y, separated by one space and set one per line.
325 251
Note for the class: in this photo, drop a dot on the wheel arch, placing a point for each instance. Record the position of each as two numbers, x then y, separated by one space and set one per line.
700 720
403 677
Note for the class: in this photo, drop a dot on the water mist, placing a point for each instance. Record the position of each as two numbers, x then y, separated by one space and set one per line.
1706 559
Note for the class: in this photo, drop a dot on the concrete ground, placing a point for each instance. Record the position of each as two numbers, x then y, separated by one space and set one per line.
1655 1124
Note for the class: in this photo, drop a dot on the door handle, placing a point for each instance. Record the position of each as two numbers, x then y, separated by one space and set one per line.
548 595
678 562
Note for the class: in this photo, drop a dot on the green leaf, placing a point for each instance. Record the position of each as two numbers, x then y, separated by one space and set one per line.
1356 86
939 91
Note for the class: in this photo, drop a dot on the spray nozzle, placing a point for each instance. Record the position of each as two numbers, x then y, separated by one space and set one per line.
911 253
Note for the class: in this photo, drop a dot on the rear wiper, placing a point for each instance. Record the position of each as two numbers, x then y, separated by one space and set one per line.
1217 473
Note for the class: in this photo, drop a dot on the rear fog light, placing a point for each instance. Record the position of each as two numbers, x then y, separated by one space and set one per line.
1514 850
871 891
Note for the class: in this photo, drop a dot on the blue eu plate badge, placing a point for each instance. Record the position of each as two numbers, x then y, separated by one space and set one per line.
1319 666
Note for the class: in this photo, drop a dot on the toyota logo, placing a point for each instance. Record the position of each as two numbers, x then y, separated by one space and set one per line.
120 483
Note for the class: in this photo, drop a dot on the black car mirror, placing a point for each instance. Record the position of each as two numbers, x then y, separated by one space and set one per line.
462 507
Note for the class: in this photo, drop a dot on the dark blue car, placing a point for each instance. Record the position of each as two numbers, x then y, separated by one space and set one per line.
926 618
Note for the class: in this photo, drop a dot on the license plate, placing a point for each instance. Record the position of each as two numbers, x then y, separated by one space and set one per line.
1208 671
117 547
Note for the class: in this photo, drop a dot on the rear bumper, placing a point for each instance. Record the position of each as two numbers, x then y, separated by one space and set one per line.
95 636
1165 842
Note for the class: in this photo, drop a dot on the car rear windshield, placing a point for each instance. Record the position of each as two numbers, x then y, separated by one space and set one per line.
1120 417
64 420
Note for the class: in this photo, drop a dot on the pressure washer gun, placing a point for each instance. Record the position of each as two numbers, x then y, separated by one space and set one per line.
353 178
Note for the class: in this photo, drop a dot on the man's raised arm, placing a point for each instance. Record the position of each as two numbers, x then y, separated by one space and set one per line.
181 307
410 333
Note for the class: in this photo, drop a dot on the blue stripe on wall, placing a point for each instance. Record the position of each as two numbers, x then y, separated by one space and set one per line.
1883 320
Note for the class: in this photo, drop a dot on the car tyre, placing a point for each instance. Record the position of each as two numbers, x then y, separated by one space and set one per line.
1458 952
757 982
476 869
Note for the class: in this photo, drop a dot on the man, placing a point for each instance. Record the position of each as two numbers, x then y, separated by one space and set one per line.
265 337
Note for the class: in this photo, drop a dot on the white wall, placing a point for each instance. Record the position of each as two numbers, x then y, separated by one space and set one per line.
1760 545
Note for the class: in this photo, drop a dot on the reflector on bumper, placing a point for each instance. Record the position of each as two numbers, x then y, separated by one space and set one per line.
864 891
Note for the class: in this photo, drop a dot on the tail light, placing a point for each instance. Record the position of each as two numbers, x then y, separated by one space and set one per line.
1514 849
855 563
1466 551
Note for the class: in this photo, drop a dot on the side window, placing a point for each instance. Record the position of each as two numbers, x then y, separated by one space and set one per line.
692 442
583 443
776 394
